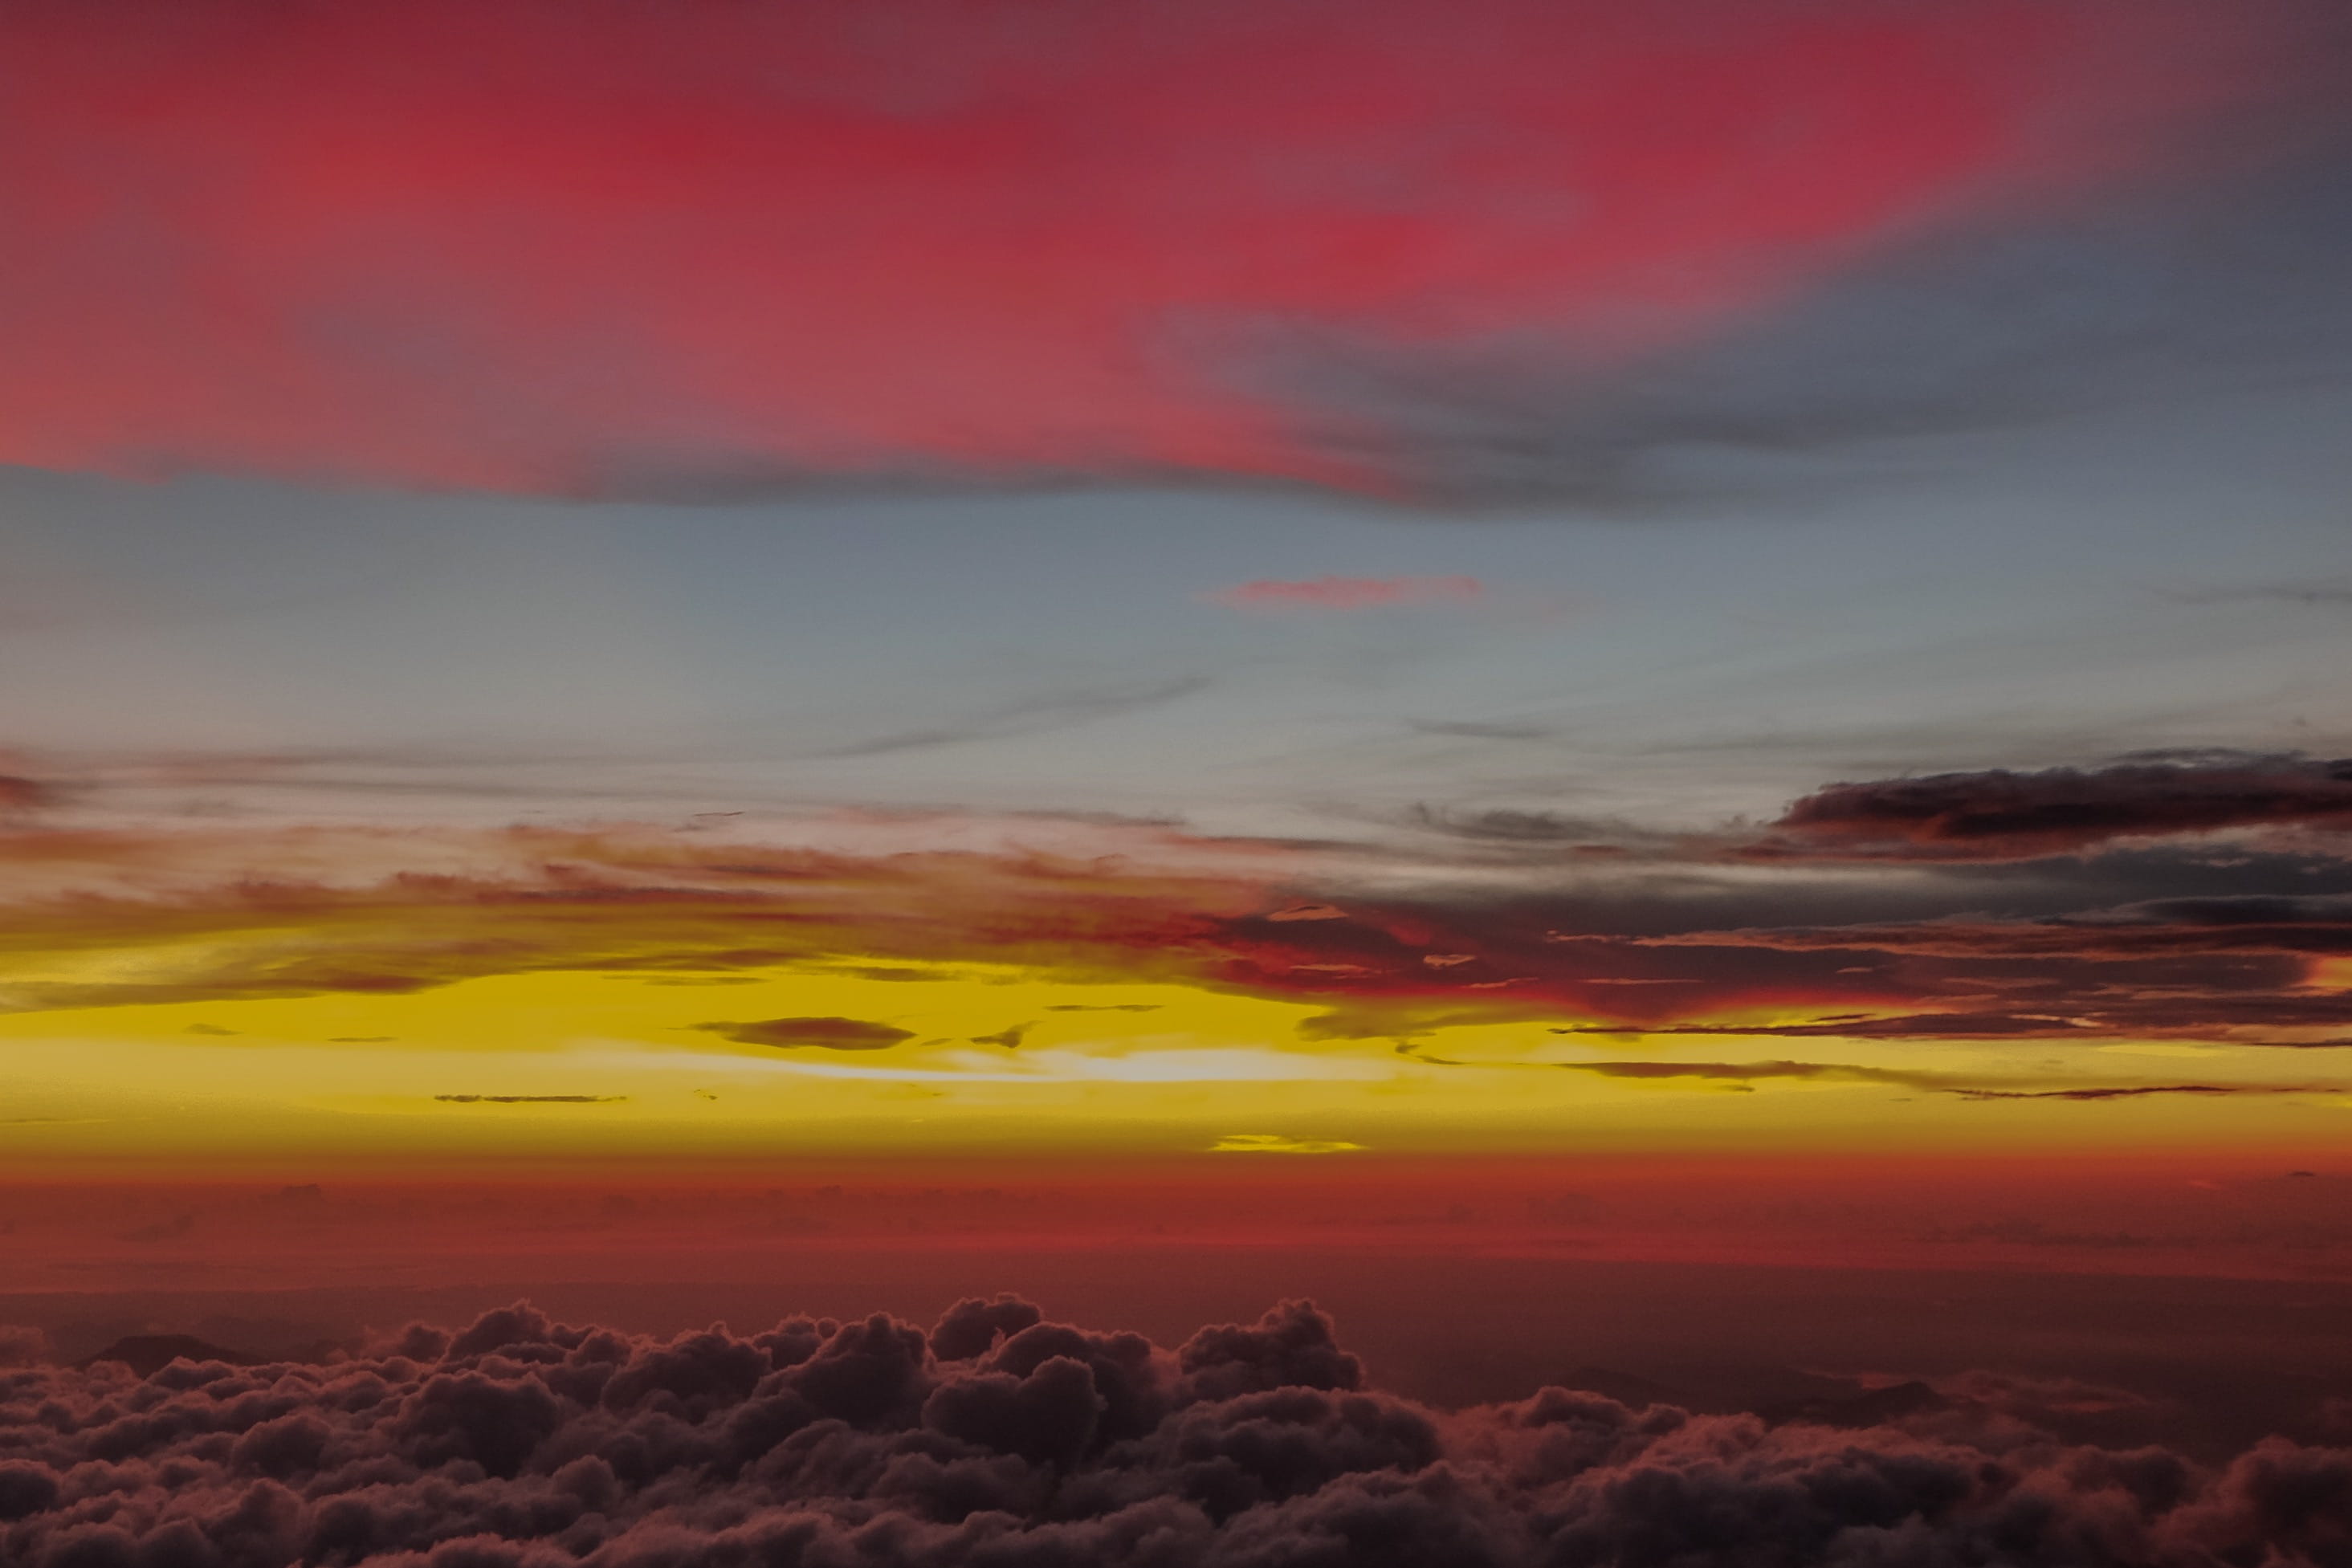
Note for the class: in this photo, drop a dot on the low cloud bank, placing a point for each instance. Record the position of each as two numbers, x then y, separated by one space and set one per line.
998 1439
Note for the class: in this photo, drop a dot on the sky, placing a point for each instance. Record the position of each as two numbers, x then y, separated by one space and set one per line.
655 649
1782 586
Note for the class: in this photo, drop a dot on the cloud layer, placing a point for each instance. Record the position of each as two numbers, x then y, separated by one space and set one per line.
594 248
2207 898
999 1438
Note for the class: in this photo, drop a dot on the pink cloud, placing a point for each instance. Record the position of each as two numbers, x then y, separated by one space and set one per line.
549 246
1349 593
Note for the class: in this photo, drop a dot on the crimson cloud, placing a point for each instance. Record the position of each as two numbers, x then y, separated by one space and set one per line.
602 249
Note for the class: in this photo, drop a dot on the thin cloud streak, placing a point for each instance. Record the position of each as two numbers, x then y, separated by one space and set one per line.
1344 593
1027 716
1743 1076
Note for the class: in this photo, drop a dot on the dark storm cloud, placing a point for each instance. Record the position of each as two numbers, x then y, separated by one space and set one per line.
2003 815
1000 1440
825 1034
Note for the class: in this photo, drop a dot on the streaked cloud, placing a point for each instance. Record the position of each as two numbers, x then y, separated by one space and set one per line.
1740 1074
2003 815
820 1033
1329 593
1147 965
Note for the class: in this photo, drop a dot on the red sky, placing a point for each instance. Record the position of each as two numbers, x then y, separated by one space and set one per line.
532 247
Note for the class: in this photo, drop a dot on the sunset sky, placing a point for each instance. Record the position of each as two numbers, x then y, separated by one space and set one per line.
1208 784
1048 589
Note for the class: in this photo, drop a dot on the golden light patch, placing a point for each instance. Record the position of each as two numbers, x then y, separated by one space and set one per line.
1276 1143
852 1054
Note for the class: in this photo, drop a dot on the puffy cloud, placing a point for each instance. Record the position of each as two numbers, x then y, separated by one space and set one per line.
1290 1346
20 1345
973 1327
519 1442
